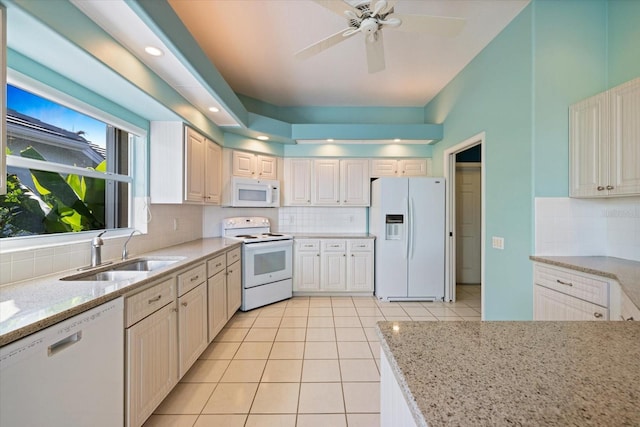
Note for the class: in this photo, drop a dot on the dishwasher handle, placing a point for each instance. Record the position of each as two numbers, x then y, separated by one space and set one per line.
57 347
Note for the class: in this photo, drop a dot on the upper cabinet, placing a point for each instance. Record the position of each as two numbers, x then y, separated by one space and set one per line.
185 166
340 182
400 167
256 166
297 182
604 143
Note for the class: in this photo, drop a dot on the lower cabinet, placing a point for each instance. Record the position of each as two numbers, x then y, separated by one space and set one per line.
333 265
394 408
234 282
192 326
217 294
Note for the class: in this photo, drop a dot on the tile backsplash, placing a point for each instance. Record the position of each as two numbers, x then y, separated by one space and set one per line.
584 227
307 219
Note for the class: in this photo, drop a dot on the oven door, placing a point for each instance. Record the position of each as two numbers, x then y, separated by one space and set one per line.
267 262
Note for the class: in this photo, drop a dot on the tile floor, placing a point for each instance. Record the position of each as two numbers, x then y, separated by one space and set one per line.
299 363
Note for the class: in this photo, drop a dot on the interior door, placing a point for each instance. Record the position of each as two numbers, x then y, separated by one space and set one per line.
468 222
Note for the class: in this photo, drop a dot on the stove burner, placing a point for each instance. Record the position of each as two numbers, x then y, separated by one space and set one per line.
247 236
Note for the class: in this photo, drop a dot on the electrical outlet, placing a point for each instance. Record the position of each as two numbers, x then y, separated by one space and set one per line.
497 242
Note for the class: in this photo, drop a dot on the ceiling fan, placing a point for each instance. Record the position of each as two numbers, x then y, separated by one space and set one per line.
369 18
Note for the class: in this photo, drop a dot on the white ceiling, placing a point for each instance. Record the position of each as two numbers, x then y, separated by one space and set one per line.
252 43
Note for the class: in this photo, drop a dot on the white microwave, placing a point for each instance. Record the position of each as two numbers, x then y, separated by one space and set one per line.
254 193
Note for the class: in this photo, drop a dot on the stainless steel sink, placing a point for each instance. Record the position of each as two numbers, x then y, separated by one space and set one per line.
126 270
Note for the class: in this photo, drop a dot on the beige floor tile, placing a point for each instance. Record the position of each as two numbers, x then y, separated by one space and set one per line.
298 302
319 302
267 322
276 398
243 314
314 371
186 398
457 304
347 322
320 398
232 334
424 319
442 312
320 322
254 350
344 311
240 322
275 420
375 348
261 334
450 318
472 318
294 322
322 420
244 371
354 350
370 321
341 302
417 311
226 420
287 350
320 311
362 397
363 420
393 311
231 398
398 318
364 302
171 421
368 311
321 334
372 334
350 334
272 312
291 334
220 350
320 350
359 370
296 312
466 311
206 371
282 371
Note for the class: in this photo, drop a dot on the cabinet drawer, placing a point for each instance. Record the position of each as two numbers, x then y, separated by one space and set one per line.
191 278
142 304
233 256
553 305
628 311
574 284
216 265
360 245
307 245
334 245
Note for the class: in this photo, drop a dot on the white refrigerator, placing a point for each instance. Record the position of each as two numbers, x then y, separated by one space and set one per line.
407 216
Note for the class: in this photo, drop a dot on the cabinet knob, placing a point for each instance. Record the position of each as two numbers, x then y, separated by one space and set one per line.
597 315
609 187
184 304
352 255
600 188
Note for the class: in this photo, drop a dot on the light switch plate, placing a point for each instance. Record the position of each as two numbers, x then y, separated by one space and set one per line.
497 242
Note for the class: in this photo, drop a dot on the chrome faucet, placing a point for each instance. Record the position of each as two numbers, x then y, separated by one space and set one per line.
125 253
96 250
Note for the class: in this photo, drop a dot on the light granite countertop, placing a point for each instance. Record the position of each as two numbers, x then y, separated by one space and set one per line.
333 236
29 306
517 373
624 271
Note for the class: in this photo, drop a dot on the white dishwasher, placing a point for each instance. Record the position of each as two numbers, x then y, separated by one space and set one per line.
69 374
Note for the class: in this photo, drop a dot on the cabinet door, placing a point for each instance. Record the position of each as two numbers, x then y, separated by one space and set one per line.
152 365
244 164
412 167
266 167
297 182
194 167
306 276
326 182
192 326
333 273
360 271
384 167
217 298
354 182
234 288
624 139
553 305
213 173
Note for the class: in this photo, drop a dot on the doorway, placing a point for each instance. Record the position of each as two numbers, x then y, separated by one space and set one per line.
464 171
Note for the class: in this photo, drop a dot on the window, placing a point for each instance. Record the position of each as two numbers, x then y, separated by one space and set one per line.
66 171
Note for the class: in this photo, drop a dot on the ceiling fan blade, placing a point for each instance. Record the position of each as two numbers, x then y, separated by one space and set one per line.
439 25
375 53
323 44
378 7
390 5
335 6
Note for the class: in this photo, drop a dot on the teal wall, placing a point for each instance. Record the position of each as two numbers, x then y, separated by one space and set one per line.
624 41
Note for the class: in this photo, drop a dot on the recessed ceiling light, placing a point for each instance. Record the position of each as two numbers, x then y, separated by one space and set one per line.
263 138
396 140
153 51
330 140
214 109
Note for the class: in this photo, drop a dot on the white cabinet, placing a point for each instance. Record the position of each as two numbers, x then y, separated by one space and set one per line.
394 409
217 294
333 266
151 349
192 316
185 166
297 182
604 158
560 294
234 281
628 311
400 167
251 165
340 182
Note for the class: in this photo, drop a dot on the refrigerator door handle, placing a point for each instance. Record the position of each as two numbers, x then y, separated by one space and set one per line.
410 230
407 229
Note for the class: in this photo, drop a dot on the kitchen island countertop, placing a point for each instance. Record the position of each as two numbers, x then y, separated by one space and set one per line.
333 236
33 305
516 373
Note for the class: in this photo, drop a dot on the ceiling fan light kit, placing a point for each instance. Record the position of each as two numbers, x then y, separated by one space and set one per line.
369 18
